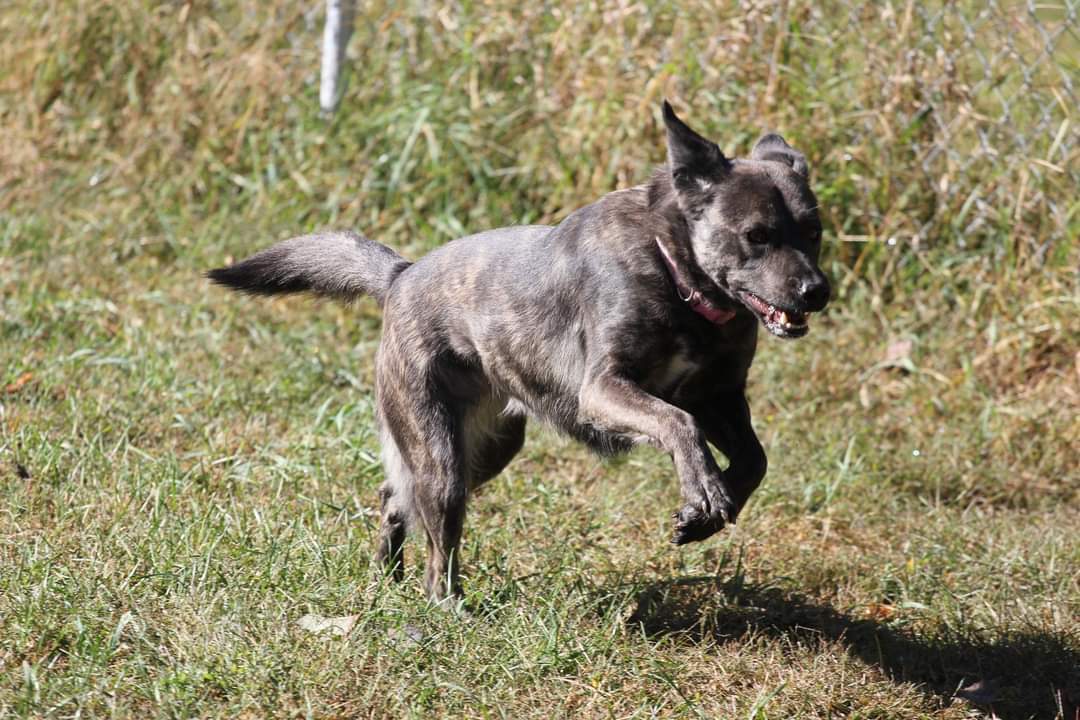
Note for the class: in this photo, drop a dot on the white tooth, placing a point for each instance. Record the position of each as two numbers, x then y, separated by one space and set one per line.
784 318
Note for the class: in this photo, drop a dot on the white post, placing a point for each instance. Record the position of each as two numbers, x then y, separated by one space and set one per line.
340 15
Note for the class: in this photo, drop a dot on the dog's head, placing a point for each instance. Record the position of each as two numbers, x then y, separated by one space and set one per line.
754 225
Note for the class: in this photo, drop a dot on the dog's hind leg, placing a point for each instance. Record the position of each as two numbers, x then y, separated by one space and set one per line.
396 498
440 492
461 449
426 431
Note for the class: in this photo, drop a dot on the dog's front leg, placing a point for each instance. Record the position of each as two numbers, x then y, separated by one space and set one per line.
614 403
726 423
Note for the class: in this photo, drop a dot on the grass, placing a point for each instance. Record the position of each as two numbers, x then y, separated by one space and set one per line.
184 474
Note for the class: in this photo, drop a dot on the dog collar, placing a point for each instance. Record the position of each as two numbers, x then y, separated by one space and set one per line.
692 296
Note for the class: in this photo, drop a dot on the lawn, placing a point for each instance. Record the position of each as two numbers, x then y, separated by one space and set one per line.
185 473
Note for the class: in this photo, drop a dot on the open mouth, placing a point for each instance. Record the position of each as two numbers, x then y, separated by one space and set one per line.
782 323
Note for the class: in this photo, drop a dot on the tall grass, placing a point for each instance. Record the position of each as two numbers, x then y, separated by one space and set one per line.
535 109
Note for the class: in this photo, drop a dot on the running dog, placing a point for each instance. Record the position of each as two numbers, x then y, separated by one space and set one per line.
632 321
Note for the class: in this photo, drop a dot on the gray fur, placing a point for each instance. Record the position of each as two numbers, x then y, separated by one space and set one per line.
580 326
342 265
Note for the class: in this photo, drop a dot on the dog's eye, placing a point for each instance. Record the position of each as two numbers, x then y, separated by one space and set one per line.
758 236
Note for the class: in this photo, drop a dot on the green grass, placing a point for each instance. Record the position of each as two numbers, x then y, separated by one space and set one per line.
184 474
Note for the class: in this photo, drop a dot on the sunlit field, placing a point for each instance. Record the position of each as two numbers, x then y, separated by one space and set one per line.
186 473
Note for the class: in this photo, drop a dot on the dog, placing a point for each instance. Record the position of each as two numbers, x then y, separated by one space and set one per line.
634 320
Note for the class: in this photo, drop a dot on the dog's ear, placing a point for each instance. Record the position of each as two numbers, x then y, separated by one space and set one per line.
692 158
775 148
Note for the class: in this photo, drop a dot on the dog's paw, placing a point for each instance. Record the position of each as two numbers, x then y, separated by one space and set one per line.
697 521
692 524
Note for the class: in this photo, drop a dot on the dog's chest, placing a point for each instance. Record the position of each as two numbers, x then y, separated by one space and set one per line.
674 372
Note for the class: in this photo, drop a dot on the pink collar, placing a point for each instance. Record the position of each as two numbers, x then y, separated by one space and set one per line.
698 303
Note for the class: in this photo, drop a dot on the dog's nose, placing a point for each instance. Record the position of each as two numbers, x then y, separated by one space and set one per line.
814 293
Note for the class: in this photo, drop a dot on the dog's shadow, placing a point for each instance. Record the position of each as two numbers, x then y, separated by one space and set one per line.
1024 676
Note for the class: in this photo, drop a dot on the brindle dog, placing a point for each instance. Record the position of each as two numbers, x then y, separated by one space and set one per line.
632 321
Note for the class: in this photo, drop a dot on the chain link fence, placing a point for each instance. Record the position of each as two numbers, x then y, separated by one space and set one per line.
983 97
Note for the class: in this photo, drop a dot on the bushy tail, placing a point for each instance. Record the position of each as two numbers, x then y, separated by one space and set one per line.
342 265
